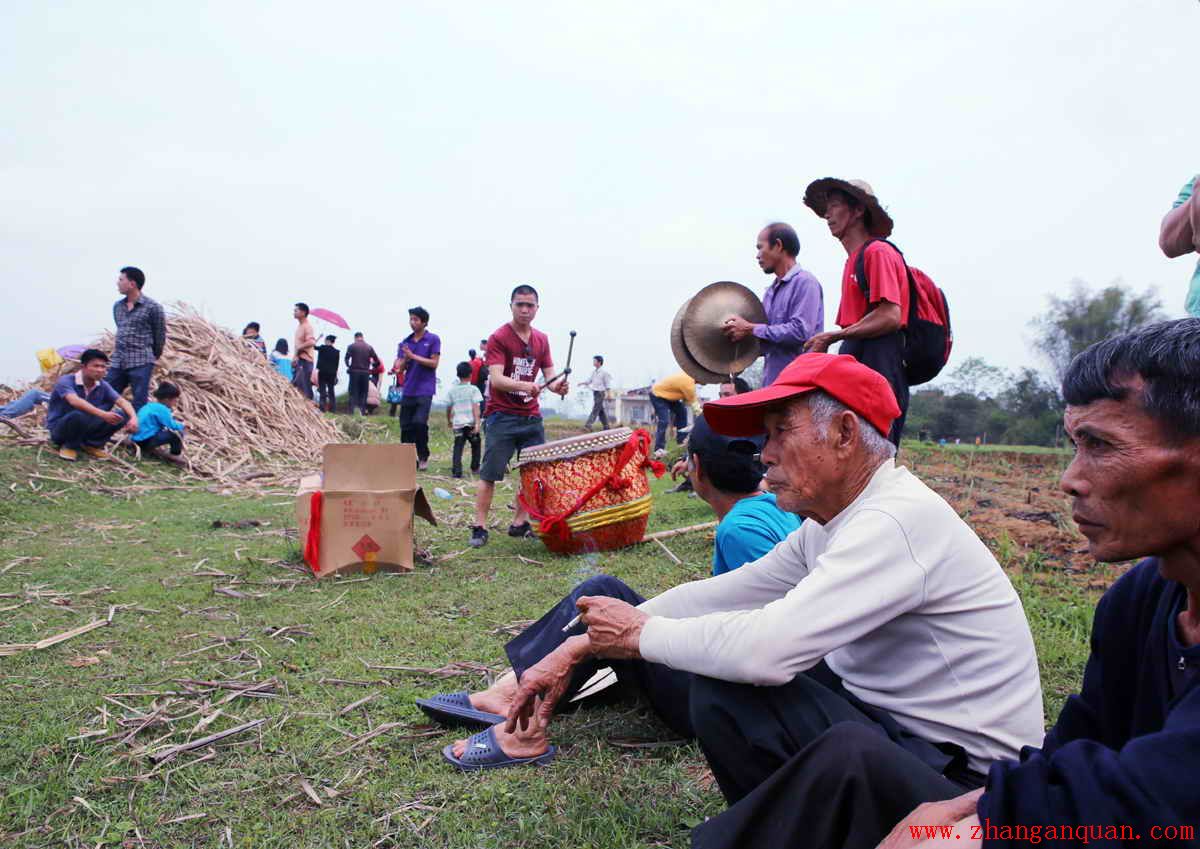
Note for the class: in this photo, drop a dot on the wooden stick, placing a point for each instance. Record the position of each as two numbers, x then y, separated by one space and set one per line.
171 751
674 532
17 648
668 552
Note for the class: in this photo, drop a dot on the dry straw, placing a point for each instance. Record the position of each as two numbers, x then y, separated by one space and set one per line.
244 419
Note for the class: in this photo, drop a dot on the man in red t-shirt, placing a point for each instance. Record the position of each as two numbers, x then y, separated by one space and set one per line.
515 354
871 328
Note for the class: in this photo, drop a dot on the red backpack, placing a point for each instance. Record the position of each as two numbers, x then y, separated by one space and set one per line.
927 337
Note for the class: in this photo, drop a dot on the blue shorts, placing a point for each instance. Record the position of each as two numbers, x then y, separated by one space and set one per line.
505 434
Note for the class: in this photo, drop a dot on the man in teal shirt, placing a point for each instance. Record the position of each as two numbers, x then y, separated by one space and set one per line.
725 474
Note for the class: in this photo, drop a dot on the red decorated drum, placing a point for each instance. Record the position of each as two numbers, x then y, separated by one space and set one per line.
589 492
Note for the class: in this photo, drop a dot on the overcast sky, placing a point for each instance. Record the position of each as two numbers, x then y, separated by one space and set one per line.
368 157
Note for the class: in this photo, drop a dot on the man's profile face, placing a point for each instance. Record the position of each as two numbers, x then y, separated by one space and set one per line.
298 313
415 323
769 254
125 285
1135 493
839 215
524 308
800 468
95 370
596 362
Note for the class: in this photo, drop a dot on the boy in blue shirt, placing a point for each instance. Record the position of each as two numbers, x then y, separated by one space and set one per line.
725 473
158 426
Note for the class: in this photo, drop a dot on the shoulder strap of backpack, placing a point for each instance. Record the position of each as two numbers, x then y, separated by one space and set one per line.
860 272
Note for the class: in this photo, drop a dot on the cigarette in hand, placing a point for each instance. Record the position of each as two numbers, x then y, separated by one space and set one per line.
572 623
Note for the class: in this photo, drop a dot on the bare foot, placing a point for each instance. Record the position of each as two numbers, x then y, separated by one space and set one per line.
519 744
498 697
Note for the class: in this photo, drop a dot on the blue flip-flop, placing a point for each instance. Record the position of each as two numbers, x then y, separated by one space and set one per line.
483 752
456 709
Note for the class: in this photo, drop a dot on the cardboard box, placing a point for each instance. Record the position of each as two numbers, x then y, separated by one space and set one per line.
361 517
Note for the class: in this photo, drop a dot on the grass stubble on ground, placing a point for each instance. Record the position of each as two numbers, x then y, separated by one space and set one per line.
202 612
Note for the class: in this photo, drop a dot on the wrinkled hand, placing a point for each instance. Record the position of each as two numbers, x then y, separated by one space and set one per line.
819 343
540 688
110 417
614 626
561 388
737 328
680 468
946 812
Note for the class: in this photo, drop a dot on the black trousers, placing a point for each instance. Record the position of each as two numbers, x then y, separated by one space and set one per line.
163 437
598 411
462 436
414 423
326 381
666 689
845 790
884 354
358 391
77 428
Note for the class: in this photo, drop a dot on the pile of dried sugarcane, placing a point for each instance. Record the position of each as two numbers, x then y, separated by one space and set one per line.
243 418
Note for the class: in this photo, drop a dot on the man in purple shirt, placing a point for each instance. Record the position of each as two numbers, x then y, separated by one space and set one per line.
794 303
420 353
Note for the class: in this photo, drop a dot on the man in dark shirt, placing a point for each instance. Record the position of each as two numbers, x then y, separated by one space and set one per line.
1121 763
361 361
141 336
80 415
327 369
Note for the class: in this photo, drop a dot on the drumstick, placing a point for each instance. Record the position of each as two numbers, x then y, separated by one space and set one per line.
567 370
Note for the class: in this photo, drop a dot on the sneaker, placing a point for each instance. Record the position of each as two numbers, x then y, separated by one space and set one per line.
422 465
685 485
522 531
69 454
479 537
660 453
96 453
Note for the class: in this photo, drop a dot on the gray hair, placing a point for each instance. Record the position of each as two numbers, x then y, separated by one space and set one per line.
823 407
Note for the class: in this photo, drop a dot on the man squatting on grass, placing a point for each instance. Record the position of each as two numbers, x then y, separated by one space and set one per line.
880 642
80 411
726 475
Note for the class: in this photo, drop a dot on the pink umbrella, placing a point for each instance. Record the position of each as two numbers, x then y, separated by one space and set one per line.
330 316
71 352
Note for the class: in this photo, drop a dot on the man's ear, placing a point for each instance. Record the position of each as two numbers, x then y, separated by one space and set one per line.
847 431
697 467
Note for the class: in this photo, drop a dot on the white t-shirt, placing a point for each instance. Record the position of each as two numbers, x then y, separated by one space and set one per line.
899 597
461 398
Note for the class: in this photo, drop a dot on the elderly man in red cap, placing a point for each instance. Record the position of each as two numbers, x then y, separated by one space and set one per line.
879 652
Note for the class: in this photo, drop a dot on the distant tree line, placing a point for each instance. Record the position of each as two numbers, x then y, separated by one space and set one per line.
1025 407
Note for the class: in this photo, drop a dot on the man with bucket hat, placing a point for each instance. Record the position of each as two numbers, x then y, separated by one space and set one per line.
871 327
880 645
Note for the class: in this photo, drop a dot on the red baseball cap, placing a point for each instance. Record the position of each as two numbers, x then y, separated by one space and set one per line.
859 387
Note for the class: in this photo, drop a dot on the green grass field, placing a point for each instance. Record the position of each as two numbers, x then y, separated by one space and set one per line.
195 603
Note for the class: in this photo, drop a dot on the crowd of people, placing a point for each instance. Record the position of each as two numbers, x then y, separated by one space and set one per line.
858 669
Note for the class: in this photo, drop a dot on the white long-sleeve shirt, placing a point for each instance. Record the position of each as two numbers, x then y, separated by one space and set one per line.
600 381
899 597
